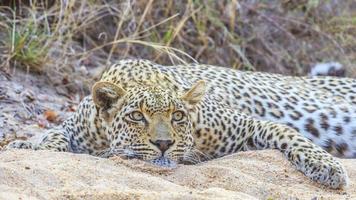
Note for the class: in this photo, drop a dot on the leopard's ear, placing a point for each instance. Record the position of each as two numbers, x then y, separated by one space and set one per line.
196 93
106 94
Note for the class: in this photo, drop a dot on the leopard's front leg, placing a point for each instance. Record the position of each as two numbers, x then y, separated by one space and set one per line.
230 131
309 158
55 139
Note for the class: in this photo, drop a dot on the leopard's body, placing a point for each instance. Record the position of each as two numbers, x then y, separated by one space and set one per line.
166 114
323 109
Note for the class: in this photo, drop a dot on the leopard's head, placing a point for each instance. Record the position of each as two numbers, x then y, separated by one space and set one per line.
149 122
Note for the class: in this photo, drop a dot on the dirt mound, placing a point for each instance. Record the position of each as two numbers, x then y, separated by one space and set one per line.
248 175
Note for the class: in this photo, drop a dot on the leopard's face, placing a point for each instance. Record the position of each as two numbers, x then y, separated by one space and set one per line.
149 122
153 125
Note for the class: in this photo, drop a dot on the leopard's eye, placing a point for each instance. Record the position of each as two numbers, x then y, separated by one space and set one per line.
177 116
136 116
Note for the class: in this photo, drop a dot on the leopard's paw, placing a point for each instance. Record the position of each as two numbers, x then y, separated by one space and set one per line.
19 144
327 172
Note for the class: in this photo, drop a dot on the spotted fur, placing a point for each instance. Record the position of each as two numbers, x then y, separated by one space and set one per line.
167 115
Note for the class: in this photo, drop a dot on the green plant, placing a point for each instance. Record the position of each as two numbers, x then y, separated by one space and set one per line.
28 46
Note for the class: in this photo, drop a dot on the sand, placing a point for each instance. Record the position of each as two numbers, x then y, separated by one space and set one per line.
26 174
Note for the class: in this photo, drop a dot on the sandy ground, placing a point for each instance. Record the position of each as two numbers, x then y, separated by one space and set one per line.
28 174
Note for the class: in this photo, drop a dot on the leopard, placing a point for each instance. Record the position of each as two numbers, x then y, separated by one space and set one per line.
192 113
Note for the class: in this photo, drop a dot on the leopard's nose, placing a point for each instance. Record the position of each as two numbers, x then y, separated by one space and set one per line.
162 145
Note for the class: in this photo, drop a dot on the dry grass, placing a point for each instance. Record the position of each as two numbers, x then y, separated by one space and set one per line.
66 38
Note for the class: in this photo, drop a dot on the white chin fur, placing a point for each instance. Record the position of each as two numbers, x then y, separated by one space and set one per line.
164 162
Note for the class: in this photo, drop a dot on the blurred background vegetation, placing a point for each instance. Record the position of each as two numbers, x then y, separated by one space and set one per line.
72 41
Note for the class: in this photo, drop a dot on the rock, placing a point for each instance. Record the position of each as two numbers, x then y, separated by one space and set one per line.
247 175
